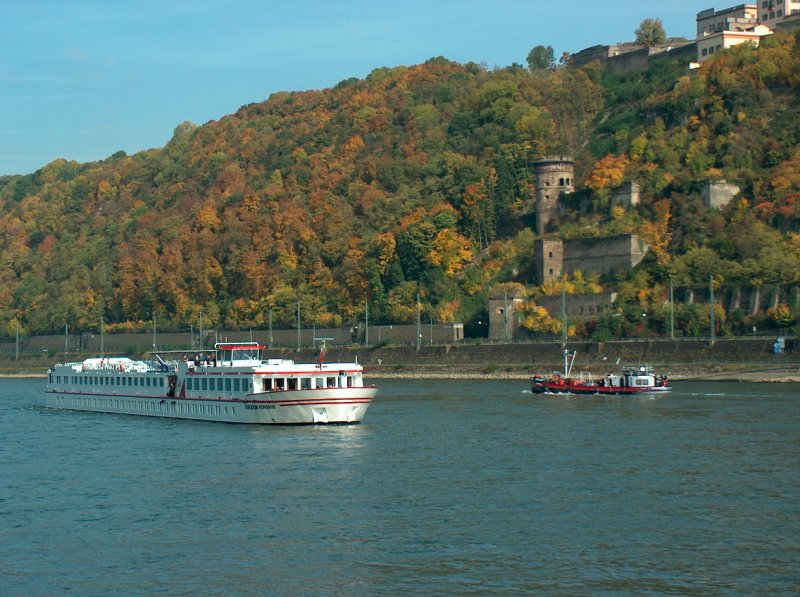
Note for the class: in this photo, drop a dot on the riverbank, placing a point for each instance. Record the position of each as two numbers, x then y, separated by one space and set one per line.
742 359
737 374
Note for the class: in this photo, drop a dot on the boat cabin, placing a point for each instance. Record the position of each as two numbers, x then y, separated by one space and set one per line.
238 354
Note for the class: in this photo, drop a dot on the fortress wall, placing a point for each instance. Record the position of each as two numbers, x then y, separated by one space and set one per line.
603 255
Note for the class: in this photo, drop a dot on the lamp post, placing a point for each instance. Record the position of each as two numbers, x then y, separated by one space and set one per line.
711 306
419 334
671 312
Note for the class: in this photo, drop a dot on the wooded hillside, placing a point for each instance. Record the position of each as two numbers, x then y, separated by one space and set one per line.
413 180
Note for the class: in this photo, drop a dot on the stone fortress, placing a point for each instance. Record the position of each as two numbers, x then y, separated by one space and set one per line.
717 30
555 177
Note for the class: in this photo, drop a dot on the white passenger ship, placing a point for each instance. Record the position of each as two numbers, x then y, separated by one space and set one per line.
233 385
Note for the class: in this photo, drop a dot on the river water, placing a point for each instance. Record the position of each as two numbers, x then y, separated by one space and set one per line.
446 488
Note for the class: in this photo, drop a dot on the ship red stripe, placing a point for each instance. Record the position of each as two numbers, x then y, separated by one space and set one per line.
321 403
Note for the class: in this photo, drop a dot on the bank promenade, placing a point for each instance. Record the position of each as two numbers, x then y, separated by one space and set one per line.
744 359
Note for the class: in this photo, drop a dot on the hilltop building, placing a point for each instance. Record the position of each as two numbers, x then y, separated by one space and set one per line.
739 17
628 56
772 12
555 176
788 24
720 30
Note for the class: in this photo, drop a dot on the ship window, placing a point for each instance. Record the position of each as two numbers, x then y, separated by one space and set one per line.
268 385
330 382
305 383
204 383
291 383
237 385
280 384
228 384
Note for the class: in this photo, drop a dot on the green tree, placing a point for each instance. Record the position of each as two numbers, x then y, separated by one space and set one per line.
541 58
651 33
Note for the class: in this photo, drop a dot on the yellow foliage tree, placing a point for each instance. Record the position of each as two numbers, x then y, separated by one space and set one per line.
657 234
608 173
450 251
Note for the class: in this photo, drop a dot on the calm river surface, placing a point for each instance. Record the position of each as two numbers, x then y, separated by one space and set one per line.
446 488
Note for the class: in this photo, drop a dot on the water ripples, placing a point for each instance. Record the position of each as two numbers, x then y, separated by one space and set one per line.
467 488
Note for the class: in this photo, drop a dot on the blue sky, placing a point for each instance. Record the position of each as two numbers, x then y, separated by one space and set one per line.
81 79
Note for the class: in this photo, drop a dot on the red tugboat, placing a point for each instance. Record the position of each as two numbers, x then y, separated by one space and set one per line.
631 380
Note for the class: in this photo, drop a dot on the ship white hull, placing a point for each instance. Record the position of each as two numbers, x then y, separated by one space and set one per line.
336 405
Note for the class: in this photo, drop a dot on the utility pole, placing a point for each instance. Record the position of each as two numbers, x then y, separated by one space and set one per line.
366 320
671 311
419 324
505 317
298 326
711 305
564 311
